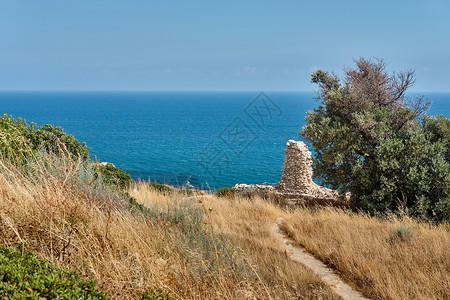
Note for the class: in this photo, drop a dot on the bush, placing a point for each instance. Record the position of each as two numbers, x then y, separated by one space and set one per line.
373 141
401 233
156 294
115 177
226 192
14 144
187 192
24 276
18 139
162 188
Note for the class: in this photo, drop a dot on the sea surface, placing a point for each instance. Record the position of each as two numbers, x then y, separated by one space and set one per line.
206 139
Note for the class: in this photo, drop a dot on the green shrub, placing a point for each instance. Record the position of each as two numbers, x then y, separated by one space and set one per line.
370 139
115 177
226 192
156 294
14 143
162 188
50 138
23 276
134 204
186 192
19 139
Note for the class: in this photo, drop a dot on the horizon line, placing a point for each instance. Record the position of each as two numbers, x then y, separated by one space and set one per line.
187 91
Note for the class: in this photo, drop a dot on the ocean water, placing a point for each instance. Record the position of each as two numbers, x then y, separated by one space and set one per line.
209 139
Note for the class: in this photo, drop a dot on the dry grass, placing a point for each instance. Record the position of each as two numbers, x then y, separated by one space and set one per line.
395 258
247 227
208 247
60 212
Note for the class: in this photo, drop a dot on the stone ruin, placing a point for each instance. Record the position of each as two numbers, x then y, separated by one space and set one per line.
296 185
298 173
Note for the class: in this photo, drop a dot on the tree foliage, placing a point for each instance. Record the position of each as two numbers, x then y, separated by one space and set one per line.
372 140
19 139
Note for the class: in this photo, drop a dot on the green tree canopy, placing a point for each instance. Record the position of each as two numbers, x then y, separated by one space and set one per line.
372 140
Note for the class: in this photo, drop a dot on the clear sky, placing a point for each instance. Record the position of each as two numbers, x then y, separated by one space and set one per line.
215 45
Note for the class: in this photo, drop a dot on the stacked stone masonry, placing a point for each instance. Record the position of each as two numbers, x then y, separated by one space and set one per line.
298 174
296 183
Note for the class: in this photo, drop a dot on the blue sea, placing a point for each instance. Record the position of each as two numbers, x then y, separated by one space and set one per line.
209 139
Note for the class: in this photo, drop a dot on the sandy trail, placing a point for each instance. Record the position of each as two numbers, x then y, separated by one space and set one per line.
317 266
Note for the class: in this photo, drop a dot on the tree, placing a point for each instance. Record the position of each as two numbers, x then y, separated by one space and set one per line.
374 141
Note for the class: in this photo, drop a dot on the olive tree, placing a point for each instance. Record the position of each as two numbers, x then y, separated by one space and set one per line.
374 141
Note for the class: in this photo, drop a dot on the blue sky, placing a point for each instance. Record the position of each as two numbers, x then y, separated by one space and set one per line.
215 45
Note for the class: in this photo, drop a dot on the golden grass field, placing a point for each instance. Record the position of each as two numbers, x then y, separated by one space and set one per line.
204 247
394 258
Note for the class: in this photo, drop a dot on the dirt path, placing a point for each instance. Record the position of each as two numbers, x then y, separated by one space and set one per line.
317 266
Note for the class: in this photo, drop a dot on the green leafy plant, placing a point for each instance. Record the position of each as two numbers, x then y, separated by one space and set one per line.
162 188
18 139
24 276
226 192
156 294
114 176
187 192
372 140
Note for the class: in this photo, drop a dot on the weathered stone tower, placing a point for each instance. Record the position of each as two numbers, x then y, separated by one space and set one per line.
298 173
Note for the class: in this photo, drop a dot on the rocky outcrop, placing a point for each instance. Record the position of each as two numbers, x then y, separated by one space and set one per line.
254 187
298 174
104 164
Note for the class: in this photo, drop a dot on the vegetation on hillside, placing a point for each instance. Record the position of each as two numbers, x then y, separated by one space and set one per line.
19 140
162 188
24 276
140 243
153 241
370 139
394 257
226 192
115 177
